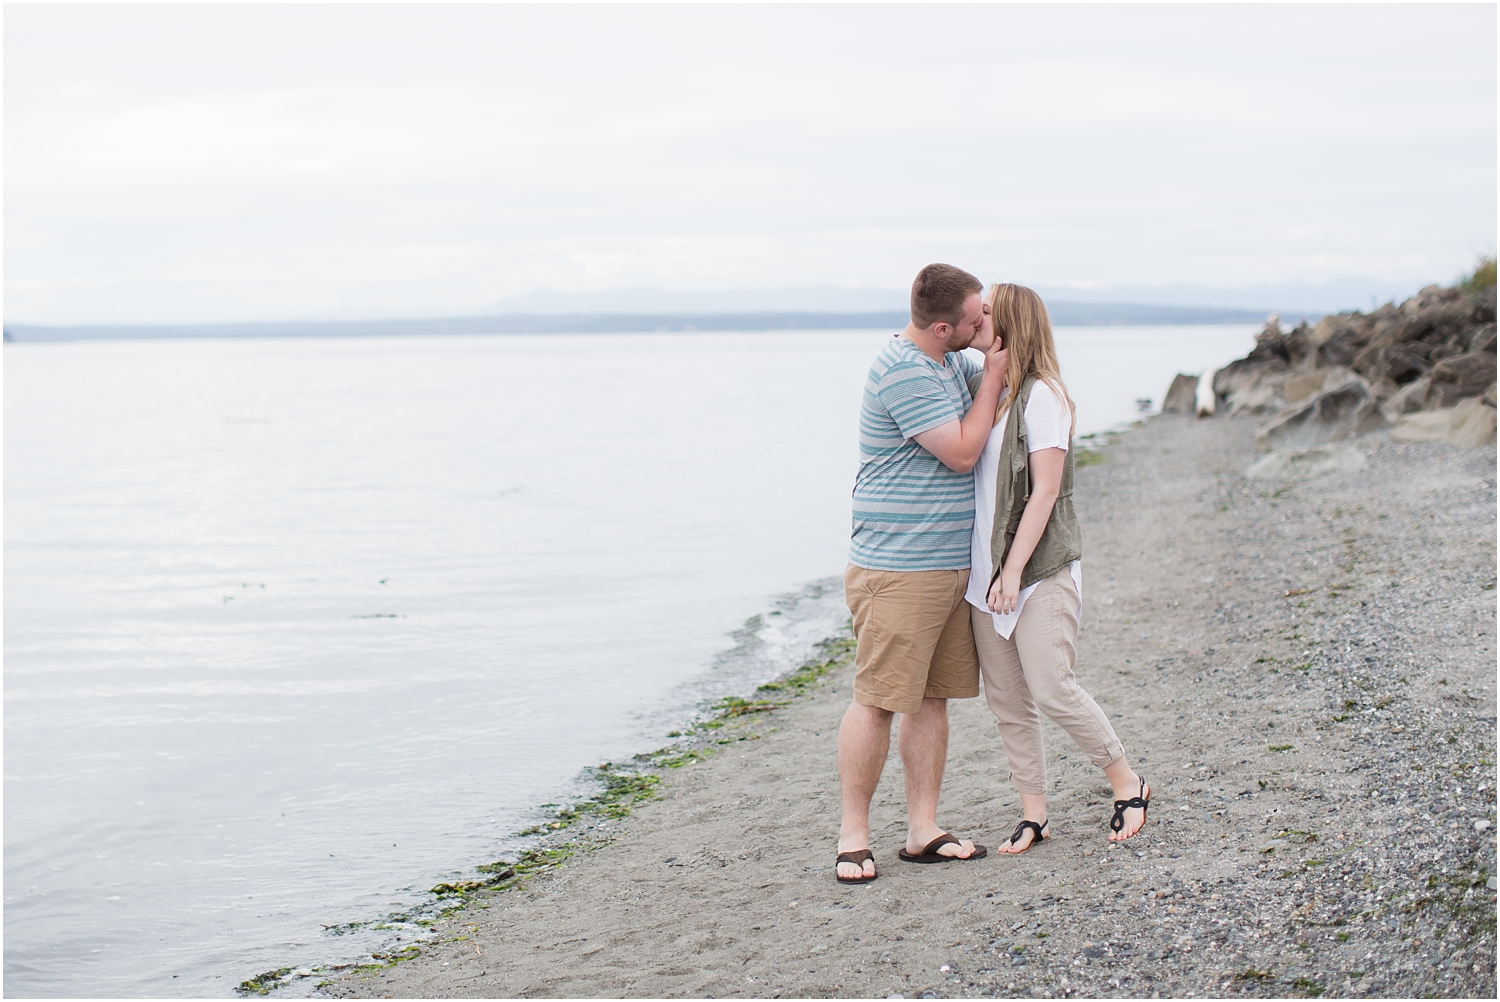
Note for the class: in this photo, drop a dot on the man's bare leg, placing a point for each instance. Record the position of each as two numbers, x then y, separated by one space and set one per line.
923 740
864 741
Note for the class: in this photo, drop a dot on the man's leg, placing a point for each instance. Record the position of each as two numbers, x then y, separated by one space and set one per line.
864 741
923 740
898 619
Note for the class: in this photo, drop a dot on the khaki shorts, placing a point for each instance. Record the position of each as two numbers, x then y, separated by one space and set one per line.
913 635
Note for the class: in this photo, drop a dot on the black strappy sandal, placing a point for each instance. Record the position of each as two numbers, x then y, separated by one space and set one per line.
1040 835
857 857
1117 823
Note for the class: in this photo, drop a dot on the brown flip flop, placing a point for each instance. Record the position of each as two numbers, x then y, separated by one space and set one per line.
857 857
931 854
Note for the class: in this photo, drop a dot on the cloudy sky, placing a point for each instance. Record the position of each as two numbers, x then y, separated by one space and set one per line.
200 163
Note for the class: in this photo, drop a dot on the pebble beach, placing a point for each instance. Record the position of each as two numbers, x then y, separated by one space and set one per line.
1303 670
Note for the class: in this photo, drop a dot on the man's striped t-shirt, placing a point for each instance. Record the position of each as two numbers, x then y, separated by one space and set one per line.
911 513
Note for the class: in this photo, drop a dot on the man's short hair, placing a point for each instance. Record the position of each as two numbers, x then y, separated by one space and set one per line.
938 295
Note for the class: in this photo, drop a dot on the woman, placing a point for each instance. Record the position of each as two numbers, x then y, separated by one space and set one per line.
1026 585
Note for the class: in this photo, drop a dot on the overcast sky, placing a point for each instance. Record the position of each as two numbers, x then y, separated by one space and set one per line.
198 163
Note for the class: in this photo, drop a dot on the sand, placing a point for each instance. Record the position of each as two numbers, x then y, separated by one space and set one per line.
1304 672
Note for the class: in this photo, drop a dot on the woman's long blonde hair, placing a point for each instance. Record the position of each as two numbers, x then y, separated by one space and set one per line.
1020 319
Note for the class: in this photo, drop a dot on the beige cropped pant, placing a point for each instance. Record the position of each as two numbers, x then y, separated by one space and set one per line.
1033 671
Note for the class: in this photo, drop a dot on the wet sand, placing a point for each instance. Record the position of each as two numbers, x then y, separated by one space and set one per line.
1306 675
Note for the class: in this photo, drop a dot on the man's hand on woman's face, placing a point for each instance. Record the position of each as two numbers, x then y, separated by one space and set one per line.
996 359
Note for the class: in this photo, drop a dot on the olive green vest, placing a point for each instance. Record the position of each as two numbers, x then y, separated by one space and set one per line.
1061 542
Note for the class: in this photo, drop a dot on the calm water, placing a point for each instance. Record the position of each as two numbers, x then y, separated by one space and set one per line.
296 628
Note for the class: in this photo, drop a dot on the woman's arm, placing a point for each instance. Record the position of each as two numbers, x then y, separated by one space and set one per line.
1046 467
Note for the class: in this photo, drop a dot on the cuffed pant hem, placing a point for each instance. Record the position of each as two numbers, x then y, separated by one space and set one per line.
1040 791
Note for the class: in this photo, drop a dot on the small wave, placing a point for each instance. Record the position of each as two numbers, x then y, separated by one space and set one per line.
771 644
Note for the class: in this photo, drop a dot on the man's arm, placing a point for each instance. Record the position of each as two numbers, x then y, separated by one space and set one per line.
957 444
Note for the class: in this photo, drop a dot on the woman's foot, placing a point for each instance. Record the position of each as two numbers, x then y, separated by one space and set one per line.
1027 834
1130 810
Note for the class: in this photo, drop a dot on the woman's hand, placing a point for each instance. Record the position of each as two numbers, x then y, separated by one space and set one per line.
1005 592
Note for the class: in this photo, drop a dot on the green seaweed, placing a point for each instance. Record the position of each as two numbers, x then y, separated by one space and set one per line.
264 984
1088 457
836 652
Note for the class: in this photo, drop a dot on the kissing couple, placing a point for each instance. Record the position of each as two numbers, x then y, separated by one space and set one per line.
965 560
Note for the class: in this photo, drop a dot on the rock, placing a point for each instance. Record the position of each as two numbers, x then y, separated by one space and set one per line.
1299 386
1181 396
1482 825
1306 464
1332 414
1398 363
1301 349
1472 422
1251 384
1455 379
1411 397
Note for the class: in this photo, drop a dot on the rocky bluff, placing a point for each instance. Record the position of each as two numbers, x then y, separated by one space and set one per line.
1426 367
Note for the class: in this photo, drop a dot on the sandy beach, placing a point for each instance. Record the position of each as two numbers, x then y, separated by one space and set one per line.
1305 672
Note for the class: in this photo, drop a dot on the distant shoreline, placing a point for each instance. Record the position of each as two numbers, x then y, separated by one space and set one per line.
1064 314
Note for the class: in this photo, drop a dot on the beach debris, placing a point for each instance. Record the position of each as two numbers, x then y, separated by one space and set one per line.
1203 396
1182 395
1307 464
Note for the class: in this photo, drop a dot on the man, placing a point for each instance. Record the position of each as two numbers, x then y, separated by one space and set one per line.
919 438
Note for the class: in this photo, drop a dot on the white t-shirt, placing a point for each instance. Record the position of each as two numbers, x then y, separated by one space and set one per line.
1047 424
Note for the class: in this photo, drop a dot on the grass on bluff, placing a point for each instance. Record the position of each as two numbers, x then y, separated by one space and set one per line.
1483 276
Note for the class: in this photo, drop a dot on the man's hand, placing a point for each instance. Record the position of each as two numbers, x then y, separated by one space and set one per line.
957 444
996 359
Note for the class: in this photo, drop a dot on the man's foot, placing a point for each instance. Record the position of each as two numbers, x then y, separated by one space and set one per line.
1027 834
851 871
943 847
1130 812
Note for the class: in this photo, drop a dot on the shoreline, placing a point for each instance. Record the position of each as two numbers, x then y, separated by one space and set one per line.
1309 735
585 824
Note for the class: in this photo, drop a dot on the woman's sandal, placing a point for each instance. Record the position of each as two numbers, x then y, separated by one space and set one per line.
1117 823
1041 834
857 857
931 854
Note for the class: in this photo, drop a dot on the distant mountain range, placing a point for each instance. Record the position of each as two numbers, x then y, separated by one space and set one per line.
810 308
1291 299
1064 314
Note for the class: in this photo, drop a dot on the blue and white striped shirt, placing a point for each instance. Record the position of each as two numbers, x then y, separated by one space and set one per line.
911 513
